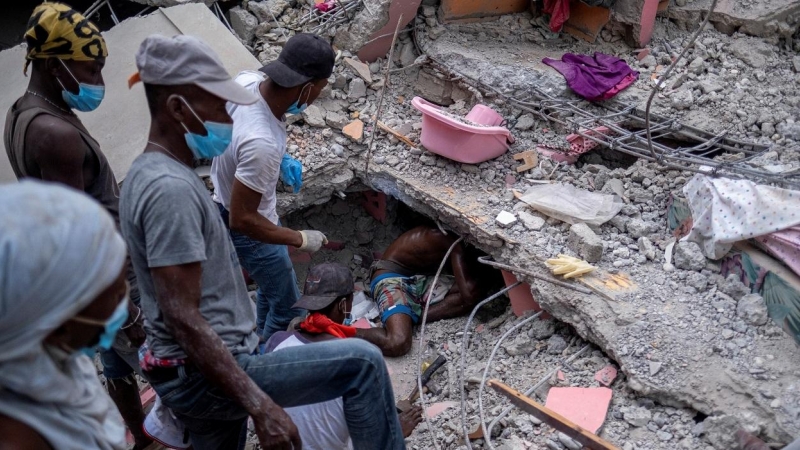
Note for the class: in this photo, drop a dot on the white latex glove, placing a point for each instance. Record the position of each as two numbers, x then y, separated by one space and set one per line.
312 240
569 266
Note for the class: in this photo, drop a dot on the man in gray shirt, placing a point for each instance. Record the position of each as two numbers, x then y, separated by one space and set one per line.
198 318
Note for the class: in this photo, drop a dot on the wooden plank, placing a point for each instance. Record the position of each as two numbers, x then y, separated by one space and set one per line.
396 134
552 418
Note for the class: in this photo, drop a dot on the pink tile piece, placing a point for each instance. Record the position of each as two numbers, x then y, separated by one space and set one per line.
437 408
561 376
606 375
362 323
586 407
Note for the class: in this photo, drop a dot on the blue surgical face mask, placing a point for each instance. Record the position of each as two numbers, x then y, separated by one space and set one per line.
214 143
110 327
296 107
88 98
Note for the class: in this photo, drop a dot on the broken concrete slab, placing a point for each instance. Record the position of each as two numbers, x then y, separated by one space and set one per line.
708 382
243 23
360 68
757 18
400 13
124 111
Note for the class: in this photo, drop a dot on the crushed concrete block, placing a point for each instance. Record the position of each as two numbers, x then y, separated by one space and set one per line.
360 68
688 256
314 116
556 344
720 431
752 309
646 248
638 228
357 89
407 55
682 99
568 442
734 288
505 219
434 89
267 9
531 222
525 122
360 29
542 329
753 52
243 23
354 130
335 119
583 241
637 417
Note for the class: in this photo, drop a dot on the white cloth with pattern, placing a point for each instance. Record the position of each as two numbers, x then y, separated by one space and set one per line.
725 211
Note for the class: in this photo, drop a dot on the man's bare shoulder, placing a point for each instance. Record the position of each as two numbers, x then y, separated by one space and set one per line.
19 436
52 139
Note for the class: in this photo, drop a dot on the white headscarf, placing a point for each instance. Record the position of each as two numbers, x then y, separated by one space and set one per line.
58 250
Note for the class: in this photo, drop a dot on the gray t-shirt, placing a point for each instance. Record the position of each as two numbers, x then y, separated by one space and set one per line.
168 219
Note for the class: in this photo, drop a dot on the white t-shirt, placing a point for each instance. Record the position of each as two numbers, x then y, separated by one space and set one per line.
256 150
321 425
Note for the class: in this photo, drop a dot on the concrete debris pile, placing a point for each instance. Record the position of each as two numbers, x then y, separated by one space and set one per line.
689 342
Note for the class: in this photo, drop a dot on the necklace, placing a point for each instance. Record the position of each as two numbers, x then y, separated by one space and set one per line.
166 150
36 94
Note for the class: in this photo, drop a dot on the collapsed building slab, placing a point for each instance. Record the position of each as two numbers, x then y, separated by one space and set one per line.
122 121
764 18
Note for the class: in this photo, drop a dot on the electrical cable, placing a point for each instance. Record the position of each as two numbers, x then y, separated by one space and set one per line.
463 360
487 438
422 339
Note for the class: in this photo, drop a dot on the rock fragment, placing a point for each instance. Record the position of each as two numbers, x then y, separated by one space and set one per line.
531 222
752 309
583 241
688 256
556 344
314 116
243 23
505 219
354 130
357 89
646 248
637 417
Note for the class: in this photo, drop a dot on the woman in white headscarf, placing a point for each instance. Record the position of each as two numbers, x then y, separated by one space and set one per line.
62 291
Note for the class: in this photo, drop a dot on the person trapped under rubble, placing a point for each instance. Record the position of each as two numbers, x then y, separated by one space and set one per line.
328 298
45 140
245 177
62 293
398 283
200 355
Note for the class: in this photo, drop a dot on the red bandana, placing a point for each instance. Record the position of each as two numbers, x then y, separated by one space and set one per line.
317 323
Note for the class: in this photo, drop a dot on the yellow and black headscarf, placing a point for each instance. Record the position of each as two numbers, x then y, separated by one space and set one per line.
57 31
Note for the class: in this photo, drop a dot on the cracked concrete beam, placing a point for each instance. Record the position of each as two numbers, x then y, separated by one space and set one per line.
691 374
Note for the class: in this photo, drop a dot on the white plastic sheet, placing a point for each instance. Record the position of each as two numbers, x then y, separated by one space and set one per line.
572 205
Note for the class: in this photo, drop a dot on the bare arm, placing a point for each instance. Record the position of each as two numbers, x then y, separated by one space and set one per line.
394 339
178 294
466 294
58 150
245 219
18 436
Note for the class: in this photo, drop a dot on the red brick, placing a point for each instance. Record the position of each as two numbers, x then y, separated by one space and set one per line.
374 203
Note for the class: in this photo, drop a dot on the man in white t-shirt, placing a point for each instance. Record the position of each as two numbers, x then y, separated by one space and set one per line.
328 297
245 176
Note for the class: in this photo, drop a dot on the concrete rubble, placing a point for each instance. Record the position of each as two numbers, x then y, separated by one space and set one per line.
698 357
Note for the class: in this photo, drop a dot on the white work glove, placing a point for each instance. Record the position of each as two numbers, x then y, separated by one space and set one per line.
312 240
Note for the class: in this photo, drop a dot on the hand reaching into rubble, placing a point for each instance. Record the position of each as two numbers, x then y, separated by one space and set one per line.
312 241
569 266
292 173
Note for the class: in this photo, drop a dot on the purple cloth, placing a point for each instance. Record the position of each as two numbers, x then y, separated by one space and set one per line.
591 77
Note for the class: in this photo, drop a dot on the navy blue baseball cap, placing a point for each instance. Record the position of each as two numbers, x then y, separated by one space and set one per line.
304 58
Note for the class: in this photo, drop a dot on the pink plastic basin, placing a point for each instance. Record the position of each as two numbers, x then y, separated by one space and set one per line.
456 140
